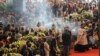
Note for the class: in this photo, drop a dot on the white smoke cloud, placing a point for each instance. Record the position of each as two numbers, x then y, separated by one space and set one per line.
41 12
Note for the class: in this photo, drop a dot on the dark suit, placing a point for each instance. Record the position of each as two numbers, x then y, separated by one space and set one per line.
66 40
53 47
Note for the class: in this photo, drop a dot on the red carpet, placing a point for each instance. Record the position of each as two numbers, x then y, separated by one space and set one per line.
93 52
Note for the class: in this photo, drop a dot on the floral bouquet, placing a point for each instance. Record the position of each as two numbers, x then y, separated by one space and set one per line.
76 16
12 54
87 14
19 44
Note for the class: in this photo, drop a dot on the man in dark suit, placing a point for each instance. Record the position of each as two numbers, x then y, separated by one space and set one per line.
66 40
98 27
98 30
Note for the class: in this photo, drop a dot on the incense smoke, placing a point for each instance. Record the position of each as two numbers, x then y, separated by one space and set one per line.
40 11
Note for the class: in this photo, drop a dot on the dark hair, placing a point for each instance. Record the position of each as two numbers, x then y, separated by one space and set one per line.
1 28
16 30
44 39
27 32
37 51
50 31
8 54
70 17
1 44
7 46
13 30
38 24
28 43
35 33
9 34
32 30
13 46
1 24
22 28
30 39
12 25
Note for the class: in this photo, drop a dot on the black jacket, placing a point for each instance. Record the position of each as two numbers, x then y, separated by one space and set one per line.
66 38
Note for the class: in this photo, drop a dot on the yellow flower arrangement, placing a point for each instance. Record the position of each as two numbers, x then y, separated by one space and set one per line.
87 14
19 43
6 50
41 34
74 15
12 54
87 28
83 15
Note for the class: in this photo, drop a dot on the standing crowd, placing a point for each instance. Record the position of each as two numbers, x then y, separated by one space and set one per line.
51 42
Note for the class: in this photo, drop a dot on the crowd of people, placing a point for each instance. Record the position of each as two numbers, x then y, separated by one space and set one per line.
8 17
50 42
63 8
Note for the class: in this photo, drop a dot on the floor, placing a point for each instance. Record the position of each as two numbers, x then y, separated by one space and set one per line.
93 52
